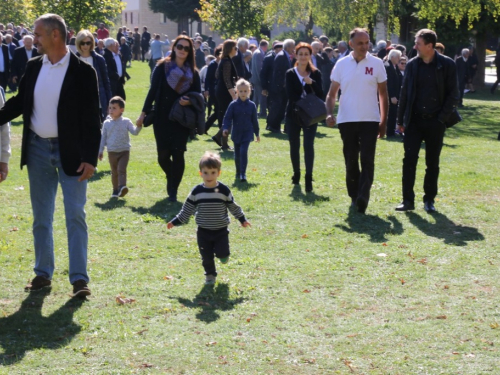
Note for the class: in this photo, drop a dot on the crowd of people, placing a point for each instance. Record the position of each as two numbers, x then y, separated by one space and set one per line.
71 93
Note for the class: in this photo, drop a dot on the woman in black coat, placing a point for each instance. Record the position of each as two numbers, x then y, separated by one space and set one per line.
173 77
225 89
394 83
302 80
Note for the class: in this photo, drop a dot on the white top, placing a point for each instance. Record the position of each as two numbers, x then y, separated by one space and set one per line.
29 53
4 134
2 63
359 85
46 96
89 60
118 61
115 134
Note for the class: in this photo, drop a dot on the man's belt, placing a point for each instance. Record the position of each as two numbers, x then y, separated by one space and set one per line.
425 116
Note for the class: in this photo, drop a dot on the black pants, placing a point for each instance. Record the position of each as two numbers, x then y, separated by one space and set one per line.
309 134
461 88
276 111
144 50
432 133
360 140
3 80
212 99
391 119
173 164
212 243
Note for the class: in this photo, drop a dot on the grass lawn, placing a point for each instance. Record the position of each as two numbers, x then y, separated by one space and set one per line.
311 288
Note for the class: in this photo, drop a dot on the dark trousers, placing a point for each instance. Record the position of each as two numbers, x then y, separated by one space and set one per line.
3 80
309 134
391 119
360 140
276 111
241 158
431 132
494 87
212 243
144 50
173 164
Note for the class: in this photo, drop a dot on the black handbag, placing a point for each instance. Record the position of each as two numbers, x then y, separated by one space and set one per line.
454 118
149 119
310 110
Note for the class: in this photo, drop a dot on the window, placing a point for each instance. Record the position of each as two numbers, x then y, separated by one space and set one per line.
163 19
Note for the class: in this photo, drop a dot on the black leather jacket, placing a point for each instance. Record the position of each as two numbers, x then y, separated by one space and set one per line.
446 76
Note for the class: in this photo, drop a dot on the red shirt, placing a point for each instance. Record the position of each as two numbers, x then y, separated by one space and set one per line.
102 33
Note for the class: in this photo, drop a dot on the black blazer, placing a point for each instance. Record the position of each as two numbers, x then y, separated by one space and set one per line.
6 60
19 61
394 80
266 73
78 114
294 88
241 68
281 65
114 78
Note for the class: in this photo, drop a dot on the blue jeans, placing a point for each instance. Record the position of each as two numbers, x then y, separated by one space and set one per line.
44 172
241 158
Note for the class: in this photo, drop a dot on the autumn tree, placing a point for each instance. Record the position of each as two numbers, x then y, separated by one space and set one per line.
16 12
179 11
80 14
233 17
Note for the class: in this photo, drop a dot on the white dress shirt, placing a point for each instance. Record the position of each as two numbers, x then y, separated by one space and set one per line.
118 61
46 96
29 53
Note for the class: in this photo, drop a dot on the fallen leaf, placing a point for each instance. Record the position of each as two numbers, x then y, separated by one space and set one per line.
384 244
446 287
146 365
305 235
249 320
455 353
490 262
121 300
422 261
411 255
307 250
253 314
494 325
306 291
211 343
14 229
168 277
141 332
402 282
441 317
254 169
310 361
353 335
381 254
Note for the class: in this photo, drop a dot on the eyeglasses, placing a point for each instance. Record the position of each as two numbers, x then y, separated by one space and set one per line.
180 47
402 63
86 43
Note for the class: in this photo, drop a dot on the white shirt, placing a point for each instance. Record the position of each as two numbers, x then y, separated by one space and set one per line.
359 85
29 53
46 96
2 63
118 61
4 135
88 60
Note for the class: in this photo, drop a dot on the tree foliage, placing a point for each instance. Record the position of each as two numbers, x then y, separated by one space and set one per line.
233 17
176 10
80 14
16 12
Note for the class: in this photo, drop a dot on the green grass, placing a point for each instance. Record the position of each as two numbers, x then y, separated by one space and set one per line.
306 289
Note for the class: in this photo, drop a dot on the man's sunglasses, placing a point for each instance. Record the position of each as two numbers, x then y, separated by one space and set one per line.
180 47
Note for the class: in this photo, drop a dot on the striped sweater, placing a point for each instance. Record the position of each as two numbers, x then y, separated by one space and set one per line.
210 207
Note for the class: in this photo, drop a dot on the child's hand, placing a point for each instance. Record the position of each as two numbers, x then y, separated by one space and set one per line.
258 138
246 224
170 226
100 156
225 133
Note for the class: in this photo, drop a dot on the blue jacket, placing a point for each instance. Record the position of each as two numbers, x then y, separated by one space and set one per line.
242 116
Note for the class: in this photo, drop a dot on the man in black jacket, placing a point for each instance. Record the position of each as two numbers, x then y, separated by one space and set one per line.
145 39
239 62
428 97
4 64
266 74
21 57
116 68
59 100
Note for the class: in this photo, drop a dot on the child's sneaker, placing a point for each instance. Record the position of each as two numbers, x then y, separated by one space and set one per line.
210 280
224 260
123 191
114 194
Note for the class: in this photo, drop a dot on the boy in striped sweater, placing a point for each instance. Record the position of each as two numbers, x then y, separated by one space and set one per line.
210 202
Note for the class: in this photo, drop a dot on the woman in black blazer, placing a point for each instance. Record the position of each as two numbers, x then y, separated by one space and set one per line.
225 89
172 78
394 83
303 79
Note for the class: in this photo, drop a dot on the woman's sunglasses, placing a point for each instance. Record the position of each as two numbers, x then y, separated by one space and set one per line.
180 47
86 43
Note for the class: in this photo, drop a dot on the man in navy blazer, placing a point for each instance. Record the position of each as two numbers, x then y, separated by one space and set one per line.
4 64
58 98
21 57
282 62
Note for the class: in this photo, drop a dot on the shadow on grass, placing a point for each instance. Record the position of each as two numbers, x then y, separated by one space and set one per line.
211 299
444 228
269 134
111 204
371 225
307 198
243 186
99 175
27 329
163 209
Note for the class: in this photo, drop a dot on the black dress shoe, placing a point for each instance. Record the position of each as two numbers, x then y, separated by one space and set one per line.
429 207
361 204
405 206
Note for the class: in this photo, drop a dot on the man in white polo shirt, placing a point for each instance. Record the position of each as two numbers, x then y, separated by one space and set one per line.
360 76
59 100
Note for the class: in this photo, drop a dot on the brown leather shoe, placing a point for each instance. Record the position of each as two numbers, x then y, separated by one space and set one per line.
80 289
37 283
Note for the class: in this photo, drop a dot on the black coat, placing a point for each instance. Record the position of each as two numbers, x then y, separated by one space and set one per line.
78 115
294 88
281 65
446 76
266 73
241 68
19 61
115 80
6 60
199 58
394 80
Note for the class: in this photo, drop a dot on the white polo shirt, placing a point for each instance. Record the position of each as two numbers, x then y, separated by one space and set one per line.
359 85
46 96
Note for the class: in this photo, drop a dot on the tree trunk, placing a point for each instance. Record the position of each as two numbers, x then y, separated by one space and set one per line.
308 27
182 25
481 39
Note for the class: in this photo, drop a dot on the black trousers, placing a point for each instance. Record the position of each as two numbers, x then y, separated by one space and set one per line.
391 119
212 243
360 140
309 134
173 164
432 133
3 80
276 111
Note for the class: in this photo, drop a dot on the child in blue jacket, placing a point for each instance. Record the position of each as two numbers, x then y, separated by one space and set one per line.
241 120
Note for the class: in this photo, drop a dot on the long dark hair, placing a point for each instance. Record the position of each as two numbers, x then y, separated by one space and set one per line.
228 47
190 57
310 67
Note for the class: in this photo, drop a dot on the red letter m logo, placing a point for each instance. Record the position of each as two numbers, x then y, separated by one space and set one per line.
369 71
